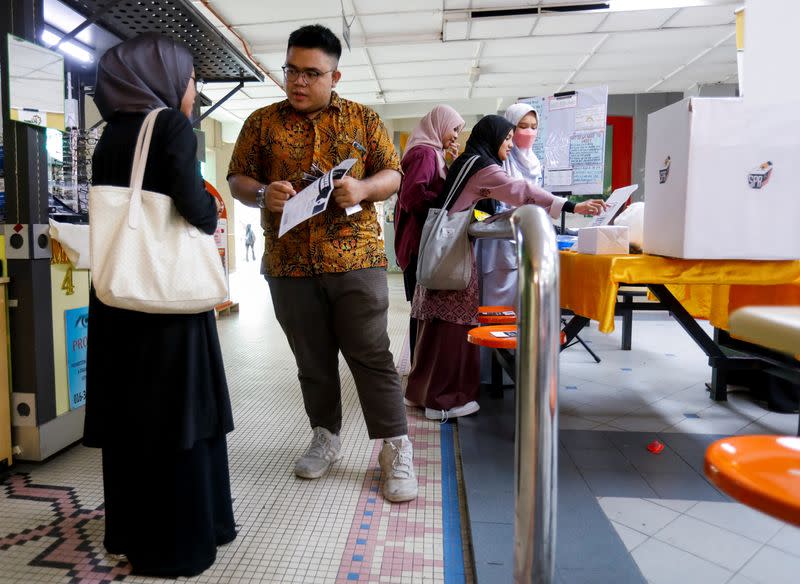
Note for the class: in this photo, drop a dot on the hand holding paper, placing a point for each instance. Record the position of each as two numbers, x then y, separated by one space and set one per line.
348 193
591 207
313 199
277 194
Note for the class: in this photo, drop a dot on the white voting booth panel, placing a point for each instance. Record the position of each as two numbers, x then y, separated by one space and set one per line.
720 182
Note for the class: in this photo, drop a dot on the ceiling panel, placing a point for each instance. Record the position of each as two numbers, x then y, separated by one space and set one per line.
704 16
391 6
443 82
357 86
636 20
722 54
250 105
538 46
411 23
519 90
425 95
243 12
368 98
532 63
423 52
621 74
359 73
423 68
665 39
710 73
487 28
484 4
641 59
268 89
260 33
568 23
272 61
508 80
620 87
633 55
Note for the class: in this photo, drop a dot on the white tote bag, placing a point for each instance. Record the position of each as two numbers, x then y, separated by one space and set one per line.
144 255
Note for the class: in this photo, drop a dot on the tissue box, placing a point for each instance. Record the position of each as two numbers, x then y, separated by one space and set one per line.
606 239
720 181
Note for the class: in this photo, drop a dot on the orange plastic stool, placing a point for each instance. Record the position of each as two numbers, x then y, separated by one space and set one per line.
494 315
762 472
483 336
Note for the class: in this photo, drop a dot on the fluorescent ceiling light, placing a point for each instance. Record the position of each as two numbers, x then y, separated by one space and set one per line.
70 48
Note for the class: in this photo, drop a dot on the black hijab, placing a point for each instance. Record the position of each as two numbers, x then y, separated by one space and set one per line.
485 140
142 74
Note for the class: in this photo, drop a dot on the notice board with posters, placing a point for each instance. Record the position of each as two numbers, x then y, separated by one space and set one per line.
571 143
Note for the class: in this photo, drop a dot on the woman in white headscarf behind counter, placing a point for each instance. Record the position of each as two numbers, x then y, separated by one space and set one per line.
498 258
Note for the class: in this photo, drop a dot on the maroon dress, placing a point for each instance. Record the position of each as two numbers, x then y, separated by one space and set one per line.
446 372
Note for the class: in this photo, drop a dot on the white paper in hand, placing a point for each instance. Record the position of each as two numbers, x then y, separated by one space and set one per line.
615 203
313 199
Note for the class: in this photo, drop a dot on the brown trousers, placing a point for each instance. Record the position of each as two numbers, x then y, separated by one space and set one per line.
347 312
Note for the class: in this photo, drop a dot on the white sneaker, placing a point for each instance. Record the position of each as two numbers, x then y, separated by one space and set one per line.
444 415
410 403
397 466
324 450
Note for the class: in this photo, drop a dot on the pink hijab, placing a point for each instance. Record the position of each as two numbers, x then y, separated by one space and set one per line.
431 130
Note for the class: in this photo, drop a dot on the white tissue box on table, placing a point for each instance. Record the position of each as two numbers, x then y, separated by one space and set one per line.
603 240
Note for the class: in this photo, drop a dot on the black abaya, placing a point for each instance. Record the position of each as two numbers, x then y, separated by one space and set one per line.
157 399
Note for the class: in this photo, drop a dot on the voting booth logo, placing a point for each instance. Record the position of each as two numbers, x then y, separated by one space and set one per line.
663 173
759 176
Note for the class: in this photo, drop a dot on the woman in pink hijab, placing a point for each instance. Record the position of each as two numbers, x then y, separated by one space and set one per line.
424 171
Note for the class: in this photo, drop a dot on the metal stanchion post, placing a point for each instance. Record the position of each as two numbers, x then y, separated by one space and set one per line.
536 445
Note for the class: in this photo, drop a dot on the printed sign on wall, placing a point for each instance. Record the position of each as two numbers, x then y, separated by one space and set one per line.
76 329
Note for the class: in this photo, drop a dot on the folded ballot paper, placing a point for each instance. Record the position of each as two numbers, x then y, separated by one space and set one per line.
606 239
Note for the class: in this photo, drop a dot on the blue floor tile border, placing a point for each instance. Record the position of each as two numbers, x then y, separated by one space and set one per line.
451 514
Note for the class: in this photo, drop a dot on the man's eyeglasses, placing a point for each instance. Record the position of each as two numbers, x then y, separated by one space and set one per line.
310 76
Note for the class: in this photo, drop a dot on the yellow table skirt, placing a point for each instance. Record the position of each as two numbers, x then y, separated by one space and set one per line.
589 283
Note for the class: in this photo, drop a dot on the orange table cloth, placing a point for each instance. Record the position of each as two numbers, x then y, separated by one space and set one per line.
589 283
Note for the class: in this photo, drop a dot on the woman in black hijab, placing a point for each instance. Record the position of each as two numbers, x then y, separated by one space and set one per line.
157 400
445 377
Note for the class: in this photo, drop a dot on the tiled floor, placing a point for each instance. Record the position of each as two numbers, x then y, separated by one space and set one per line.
624 515
672 525
336 529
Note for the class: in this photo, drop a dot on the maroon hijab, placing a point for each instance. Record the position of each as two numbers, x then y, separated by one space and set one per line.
142 74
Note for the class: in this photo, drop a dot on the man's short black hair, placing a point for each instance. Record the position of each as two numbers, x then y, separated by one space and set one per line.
316 36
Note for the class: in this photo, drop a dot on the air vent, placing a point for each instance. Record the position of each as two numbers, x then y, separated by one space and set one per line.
506 12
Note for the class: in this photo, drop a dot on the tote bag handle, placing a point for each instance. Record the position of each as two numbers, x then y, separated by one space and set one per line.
139 164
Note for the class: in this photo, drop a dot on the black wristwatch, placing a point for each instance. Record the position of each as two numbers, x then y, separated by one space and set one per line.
260 193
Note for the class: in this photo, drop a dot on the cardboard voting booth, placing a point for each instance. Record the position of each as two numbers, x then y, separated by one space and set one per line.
720 182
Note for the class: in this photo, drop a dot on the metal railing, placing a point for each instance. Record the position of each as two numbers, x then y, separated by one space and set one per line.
536 438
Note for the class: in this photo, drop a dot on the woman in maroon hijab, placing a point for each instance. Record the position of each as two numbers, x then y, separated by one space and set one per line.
157 400
424 171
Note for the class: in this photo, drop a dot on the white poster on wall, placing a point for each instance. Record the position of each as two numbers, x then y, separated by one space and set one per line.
572 140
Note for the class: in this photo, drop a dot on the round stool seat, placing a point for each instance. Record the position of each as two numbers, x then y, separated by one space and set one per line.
496 315
762 472
483 336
